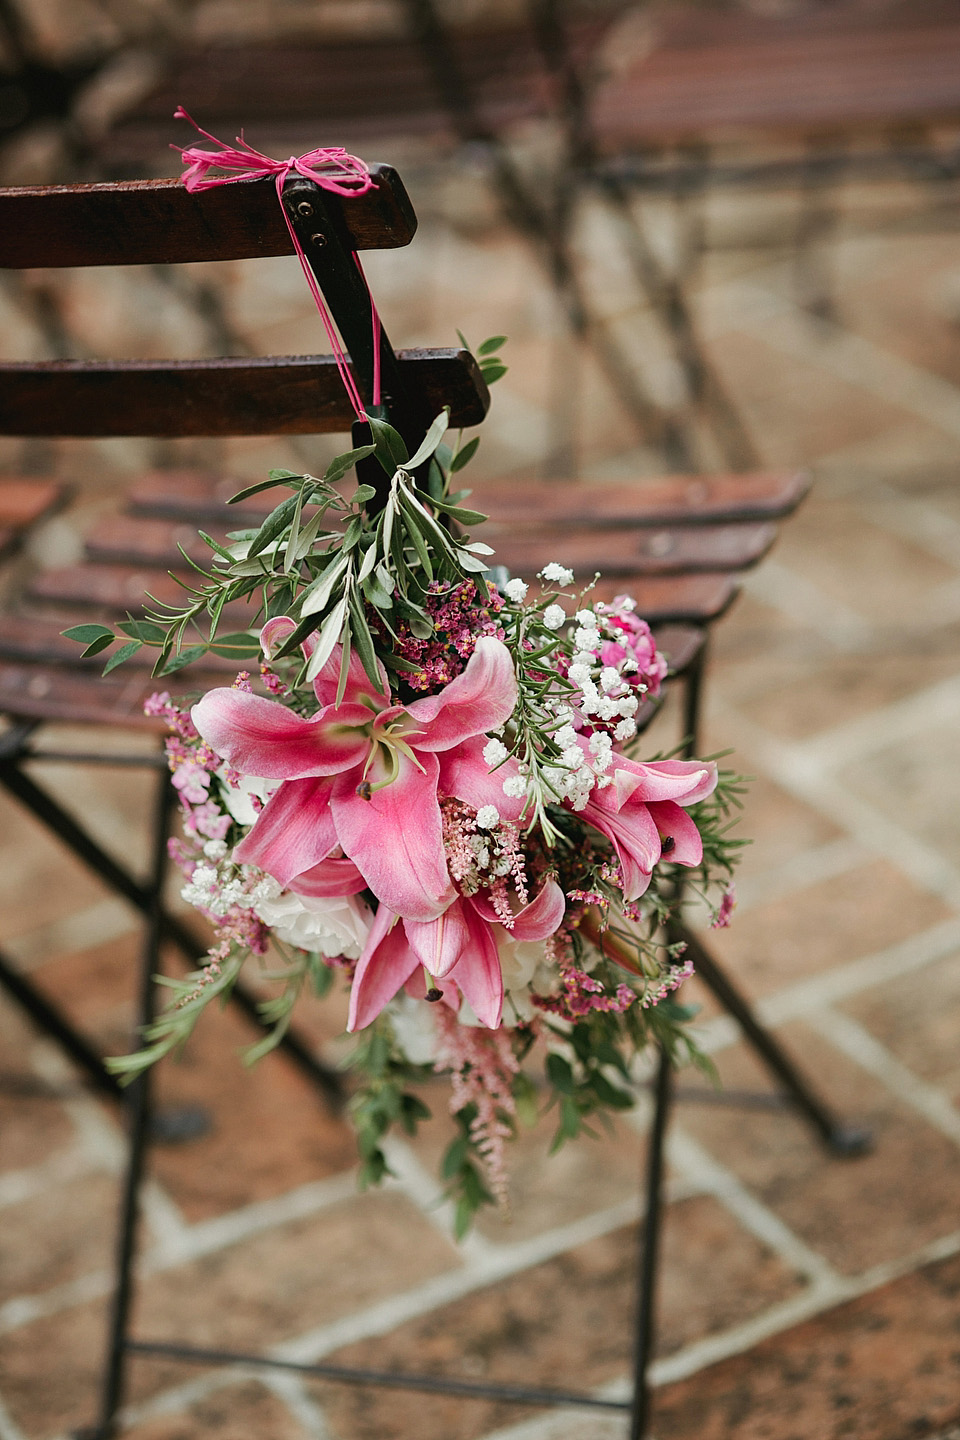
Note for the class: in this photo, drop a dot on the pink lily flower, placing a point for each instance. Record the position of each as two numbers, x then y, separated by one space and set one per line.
364 775
641 815
457 949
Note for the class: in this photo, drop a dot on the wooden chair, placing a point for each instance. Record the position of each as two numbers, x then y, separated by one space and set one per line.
680 544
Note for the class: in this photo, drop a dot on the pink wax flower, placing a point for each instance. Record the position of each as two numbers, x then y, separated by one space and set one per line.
364 775
192 780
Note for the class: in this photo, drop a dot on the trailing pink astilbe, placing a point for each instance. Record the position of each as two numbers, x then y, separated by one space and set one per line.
482 1065
580 993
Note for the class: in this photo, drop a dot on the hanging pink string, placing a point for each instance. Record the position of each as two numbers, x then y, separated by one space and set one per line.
330 167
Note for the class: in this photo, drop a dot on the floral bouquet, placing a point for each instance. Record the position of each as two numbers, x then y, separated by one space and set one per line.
429 791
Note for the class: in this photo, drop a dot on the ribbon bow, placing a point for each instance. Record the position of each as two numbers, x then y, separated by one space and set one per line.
330 167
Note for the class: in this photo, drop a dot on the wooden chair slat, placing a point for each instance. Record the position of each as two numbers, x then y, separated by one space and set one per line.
665 599
37 638
148 541
672 500
278 395
784 77
197 496
36 692
159 222
24 502
109 590
680 644
665 551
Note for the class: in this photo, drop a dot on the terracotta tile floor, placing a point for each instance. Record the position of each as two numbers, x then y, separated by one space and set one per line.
803 1298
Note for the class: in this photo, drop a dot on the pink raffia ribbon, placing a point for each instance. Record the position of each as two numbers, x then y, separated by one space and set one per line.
330 167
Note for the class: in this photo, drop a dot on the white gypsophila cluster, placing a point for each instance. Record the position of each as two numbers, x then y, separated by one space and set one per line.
221 887
605 693
580 769
558 574
483 855
515 590
494 753
554 616
328 925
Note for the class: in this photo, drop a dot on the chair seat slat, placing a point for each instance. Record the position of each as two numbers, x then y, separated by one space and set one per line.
674 550
670 500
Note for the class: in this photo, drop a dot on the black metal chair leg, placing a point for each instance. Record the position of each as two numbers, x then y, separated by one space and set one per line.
49 1018
139 1112
842 1139
649 1257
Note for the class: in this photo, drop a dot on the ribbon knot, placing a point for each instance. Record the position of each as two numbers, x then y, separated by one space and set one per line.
332 168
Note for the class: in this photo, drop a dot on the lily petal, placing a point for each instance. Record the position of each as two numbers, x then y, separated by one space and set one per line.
331 878
633 834
538 919
675 824
358 681
396 838
293 832
478 975
275 631
439 944
384 967
262 737
465 774
481 698
683 780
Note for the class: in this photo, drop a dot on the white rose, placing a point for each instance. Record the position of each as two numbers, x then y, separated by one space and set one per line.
413 1029
332 925
518 961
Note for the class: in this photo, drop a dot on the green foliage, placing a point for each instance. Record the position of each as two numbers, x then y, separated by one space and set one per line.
323 560
384 1100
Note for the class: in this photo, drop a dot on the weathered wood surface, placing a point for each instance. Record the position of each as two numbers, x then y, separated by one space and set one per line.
628 552
670 500
159 222
275 395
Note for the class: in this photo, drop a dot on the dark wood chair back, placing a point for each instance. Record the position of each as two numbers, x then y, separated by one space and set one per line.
150 222
160 222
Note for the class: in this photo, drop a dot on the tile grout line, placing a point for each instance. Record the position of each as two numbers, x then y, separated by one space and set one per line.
801 777
291 1391
695 1161
837 350
780 587
798 1001
836 857
854 1041
781 1317
938 704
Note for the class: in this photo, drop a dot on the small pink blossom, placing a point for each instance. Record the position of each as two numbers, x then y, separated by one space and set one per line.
725 909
